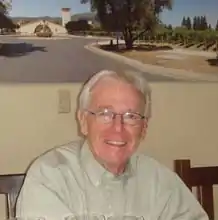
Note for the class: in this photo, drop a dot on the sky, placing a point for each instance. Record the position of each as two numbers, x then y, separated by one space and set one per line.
34 8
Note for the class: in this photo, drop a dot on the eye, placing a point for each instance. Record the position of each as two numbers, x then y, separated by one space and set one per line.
101 113
132 116
105 114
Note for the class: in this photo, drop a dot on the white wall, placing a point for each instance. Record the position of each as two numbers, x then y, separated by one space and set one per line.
184 123
66 16
30 28
58 29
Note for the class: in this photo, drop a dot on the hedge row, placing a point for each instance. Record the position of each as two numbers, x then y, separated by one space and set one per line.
44 34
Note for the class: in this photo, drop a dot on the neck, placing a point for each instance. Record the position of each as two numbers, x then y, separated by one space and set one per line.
115 169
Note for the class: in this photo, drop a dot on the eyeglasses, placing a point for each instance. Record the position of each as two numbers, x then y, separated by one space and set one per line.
106 116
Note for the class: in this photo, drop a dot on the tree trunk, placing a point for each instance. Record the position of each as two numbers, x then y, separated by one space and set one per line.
117 42
128 38
128 41
217 48
129 44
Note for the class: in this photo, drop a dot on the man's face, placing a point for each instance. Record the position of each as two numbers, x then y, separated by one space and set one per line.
113 143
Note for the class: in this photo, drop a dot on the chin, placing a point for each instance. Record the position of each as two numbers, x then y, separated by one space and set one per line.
116 158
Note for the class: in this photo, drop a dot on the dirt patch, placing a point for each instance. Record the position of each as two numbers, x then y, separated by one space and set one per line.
156 55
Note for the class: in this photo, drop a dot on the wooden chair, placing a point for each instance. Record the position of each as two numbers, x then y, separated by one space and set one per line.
203 178
10 185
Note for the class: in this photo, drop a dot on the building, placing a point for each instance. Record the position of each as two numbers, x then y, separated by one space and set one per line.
32 27
66 16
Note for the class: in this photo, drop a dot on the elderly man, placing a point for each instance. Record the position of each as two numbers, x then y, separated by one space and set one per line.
104 175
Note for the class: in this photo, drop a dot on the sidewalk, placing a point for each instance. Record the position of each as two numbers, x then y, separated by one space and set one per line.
153 69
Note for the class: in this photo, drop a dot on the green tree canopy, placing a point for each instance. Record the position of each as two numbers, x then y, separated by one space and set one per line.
129 16
183 24
216 28
81 25
5 21
188 23
3 7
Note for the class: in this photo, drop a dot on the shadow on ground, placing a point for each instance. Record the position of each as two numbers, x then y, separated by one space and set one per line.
146 47
19 49
213 62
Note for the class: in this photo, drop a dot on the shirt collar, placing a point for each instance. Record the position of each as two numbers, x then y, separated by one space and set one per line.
96 172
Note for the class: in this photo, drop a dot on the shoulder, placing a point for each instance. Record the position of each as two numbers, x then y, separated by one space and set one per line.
151 164
159 175
170 196
163 184
56 158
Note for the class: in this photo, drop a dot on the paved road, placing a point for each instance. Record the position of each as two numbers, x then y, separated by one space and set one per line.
54 61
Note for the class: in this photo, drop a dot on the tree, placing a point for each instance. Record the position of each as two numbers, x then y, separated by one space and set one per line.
43 28
199 23
132 18
203 23
3 8
194 24
81 25
183 24
170 27
5 21
188 23
216 28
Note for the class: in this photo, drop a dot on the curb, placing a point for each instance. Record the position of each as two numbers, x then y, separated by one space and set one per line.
44 38
69 36
153 69
91 37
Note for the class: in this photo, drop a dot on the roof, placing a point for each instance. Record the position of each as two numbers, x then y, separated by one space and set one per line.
39 20
65 9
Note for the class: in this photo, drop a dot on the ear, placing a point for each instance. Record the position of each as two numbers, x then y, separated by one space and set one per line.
144 128
82 119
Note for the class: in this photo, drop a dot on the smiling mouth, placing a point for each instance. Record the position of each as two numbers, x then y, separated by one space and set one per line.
116 143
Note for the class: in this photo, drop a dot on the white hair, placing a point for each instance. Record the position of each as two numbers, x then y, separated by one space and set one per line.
134 78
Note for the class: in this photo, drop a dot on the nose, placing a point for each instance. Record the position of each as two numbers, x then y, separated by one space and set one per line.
118 123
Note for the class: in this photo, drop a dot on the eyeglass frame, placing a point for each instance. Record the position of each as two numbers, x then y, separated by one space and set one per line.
114 114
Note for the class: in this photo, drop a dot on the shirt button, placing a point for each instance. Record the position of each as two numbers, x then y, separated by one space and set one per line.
108 194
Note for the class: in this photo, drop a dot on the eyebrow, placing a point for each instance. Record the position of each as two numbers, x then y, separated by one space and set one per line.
110 107
105 107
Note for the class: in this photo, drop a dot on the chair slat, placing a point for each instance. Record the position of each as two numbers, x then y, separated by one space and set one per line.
205 196
201 177
10 185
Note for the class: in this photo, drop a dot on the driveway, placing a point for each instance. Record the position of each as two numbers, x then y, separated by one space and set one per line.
54 61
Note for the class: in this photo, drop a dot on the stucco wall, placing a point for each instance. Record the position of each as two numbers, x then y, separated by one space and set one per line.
29 28
184 123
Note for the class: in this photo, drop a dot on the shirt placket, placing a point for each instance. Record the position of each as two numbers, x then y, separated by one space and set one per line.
114 199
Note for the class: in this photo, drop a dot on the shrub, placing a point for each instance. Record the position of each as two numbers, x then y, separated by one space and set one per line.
44 34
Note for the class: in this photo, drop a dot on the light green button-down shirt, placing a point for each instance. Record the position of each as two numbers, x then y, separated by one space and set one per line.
67 180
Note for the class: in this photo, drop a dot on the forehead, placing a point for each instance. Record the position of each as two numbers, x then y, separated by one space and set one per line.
115 93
